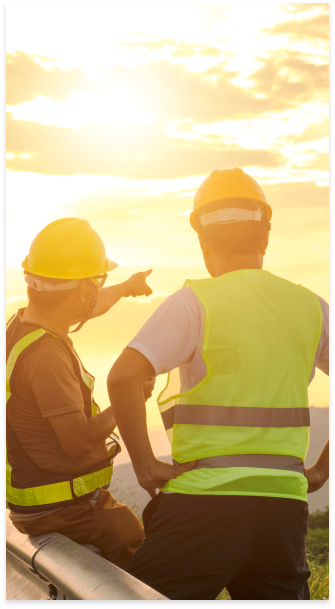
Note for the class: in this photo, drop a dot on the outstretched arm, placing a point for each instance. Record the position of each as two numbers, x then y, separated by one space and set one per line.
136 285
318 473
125 387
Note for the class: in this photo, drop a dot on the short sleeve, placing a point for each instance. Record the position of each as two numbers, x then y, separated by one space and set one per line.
48 371
171 336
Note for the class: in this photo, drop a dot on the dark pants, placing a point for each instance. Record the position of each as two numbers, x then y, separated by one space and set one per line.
197 545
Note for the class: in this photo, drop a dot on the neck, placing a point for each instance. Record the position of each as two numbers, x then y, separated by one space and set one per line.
220 266
54 318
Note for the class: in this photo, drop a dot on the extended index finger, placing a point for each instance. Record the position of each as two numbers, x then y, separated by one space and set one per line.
147 273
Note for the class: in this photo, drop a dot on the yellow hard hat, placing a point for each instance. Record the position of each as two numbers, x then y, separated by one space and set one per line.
228 184
68 249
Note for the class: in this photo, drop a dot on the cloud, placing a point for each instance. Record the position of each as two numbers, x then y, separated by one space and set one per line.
180 49
287 79
27 79
171 92
307 29
108 149
314 132
300 7
319 161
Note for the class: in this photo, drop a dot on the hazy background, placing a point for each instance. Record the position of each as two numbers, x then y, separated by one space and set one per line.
117 112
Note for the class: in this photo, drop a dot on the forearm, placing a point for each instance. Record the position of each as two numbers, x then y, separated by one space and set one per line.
130 414
322 462
100 426
107 298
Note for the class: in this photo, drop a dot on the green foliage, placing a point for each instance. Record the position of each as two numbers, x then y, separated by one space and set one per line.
317 545
319 520
319 581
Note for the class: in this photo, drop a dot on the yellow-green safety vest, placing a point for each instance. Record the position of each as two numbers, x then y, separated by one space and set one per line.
247 422
67 490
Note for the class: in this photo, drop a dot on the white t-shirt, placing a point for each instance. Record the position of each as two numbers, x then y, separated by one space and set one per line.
173 337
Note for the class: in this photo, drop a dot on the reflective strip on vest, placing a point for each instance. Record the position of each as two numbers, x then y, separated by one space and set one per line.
20 346
235 416
87 378
286 462
60 491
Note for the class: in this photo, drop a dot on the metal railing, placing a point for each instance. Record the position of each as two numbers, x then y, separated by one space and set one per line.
53 566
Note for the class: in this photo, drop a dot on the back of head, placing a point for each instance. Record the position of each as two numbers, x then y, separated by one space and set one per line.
63 255
217 217
54 293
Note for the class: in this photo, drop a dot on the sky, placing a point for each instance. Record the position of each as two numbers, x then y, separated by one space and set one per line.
116 112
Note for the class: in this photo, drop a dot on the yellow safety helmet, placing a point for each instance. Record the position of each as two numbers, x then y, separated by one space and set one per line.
68 249
224 184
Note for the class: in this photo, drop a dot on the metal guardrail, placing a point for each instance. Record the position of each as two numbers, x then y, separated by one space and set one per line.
53 566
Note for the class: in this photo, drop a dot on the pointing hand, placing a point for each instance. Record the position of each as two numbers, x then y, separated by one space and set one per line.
136 285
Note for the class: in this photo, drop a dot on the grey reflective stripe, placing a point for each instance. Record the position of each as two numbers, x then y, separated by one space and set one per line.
235 416
293 464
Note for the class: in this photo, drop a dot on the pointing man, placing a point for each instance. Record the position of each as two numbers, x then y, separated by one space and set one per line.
246 343
59 465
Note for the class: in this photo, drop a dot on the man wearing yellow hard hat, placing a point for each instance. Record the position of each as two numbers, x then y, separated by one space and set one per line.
60 447
246 343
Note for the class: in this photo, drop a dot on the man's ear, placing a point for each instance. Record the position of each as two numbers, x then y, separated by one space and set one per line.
84 290
265 243
205 247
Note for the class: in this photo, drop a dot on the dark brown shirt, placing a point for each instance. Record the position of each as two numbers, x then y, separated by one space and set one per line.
46 386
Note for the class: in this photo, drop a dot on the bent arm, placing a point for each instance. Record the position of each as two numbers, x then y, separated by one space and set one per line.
125 387
79 435
318 473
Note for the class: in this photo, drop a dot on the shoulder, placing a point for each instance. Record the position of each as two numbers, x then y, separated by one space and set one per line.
183 302
47 352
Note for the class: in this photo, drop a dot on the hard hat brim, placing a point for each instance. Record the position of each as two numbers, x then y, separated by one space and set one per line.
111 265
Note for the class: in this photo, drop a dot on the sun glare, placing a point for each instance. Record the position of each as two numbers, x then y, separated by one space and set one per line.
120 118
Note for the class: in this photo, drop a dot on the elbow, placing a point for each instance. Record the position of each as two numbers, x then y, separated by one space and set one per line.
79 450
116 378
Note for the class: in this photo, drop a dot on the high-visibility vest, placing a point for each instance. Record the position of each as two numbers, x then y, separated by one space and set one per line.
49 490
247 422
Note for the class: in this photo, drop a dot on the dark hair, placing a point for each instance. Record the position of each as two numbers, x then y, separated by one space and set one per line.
48 300
242 237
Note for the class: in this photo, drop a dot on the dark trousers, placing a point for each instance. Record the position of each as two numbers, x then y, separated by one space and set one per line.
197 545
